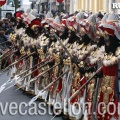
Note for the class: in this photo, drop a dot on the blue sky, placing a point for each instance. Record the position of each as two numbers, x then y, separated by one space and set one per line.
26 2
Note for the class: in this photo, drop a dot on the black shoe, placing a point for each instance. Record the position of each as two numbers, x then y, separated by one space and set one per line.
30 95
59 115
21 89
24 93
82 117
40 100
65 117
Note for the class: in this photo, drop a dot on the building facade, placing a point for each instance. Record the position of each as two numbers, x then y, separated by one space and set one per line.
77 5
44 6
95 5
67 5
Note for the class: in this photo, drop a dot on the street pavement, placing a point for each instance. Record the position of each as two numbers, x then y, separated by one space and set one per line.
10 96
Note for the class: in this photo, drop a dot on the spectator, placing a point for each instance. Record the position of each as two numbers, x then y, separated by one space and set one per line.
100 15
6 24
2 39
13 21
12 24
1 24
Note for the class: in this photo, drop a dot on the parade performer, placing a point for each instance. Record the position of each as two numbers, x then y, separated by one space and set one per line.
109 84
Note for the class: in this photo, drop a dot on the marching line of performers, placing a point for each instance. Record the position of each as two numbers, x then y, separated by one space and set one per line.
67 60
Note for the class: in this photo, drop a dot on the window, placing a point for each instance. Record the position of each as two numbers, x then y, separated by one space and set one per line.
10 3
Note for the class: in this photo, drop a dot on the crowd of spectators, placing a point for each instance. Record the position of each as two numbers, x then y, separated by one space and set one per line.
6 28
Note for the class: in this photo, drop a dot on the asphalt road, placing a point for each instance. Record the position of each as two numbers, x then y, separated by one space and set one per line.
10 96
